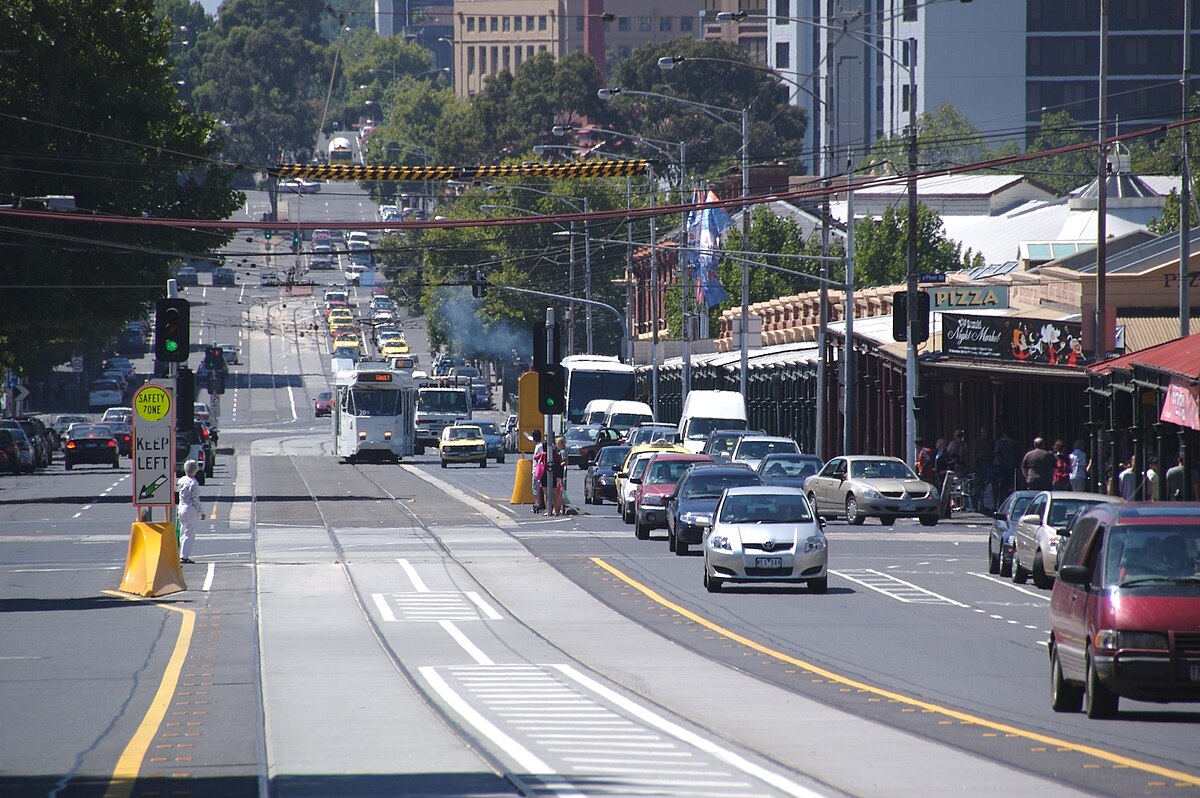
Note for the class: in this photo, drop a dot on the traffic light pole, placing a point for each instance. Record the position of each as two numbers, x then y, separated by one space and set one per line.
548 432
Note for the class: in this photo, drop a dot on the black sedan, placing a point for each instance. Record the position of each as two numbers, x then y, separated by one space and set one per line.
788 470
1002 536
600 481
91 444
690 510
584 441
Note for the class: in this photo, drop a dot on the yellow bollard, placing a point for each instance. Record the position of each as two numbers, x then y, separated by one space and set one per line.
523 484
152 564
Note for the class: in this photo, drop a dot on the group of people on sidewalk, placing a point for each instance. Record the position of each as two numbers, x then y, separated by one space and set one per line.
554 457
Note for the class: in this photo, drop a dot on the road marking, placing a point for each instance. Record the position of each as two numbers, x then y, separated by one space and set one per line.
417 582
475 651
208 577
900 698
486 608
129 764
895 588
384 609
1012 585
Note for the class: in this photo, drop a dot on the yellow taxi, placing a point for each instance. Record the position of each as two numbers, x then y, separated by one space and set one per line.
349 350
463 444
631 461
346 336
396 346
340 316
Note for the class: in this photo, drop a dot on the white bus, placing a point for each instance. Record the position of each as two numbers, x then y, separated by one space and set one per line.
591 377
374 414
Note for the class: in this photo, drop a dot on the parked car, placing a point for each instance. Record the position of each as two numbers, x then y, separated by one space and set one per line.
788 470
123 434
751 449
27 454
92 444
1123 611
765 534
600 481
462 444
12 451
491 437
654 489
323 404
64 420
39 436
585 440
691 505
1038 531
860 486
1003 533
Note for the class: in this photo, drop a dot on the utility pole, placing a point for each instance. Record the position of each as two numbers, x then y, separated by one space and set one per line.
912 365
1185 188
848 371
653 301
1100 332
822 331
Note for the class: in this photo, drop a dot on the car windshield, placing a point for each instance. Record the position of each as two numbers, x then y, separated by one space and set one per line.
462 434
639 465
757 450
104 385
724 442
880 469
624 421
1063 510
488 427
664 471
436 401
582 433
790 469
612 456
367 402
80 431
710 487
1146 554
324 397
699 428
761 508
1019 504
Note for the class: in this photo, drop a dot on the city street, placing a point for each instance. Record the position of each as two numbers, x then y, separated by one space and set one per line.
405 630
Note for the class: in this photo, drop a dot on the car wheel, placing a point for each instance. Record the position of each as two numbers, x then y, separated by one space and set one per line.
711 583
640 531
500 459
670 538
1098 701
887 520
681 547
200 477
419 449
818 585
627 516
993 559
1040 578
853 516
116 462
1006 567
443 464
1019 574
812 502
587 497
1064 697
67 465
929 520
483 463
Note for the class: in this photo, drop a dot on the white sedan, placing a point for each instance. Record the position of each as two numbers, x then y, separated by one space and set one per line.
1039 530
762 533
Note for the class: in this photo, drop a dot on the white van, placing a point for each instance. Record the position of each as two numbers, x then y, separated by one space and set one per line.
595 411
705 411
623 416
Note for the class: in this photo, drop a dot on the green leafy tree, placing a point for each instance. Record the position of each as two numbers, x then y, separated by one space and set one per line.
265 75
1067 171
139 153
881 247
945 137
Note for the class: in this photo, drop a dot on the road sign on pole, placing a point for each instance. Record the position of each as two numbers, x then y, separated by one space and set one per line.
153 445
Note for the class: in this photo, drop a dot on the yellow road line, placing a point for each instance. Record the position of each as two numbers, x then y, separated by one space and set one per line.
1014 731
129 764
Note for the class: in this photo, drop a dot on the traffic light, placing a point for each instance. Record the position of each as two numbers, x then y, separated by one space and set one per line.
267 234
296 242
900 316
216 382
171 330
185 395
478 286
551 389
214 360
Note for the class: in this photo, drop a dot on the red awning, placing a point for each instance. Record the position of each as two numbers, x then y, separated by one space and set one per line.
1180 357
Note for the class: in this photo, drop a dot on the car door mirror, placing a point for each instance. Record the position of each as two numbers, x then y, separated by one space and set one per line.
635 480
1074 574
1033 520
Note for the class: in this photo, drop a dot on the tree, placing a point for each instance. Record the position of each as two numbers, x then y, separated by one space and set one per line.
881 247
1067 171
140 153
945 137
266 76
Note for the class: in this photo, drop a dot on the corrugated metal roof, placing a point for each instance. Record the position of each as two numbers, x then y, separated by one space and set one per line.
1179 357
1119 186
1144 332
1145 257
949 185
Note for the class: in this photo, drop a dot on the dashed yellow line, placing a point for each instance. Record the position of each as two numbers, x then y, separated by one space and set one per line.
1183 779
129 764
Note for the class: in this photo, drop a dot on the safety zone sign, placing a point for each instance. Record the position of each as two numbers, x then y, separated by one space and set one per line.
153 445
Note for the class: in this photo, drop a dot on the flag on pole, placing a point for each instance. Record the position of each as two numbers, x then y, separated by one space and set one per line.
712 223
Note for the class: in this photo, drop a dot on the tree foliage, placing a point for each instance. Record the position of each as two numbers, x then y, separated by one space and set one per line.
138 153
881 247
945 137
1067 171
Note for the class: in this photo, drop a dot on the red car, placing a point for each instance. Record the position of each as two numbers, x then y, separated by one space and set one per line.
1125 610
655 487
323 404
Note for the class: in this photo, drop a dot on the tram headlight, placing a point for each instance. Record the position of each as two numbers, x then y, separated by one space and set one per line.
362 436
387 434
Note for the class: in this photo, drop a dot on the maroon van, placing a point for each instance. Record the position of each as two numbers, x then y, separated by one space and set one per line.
1125 611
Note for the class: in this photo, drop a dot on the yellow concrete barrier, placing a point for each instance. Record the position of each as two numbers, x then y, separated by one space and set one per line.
152 564
523 484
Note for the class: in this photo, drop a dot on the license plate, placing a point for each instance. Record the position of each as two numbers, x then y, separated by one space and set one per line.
907 507
1195 672
777 562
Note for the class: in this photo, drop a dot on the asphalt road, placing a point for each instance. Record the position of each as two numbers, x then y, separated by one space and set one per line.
403 630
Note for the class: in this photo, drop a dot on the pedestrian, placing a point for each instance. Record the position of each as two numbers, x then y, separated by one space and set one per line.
539 471
984 450
941 462
1062 466
924 465
188 511
958 453
1037 467
1079 467
1127 480
559 464
994 477
1152 479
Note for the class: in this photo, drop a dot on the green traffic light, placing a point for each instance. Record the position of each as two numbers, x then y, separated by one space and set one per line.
172 346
